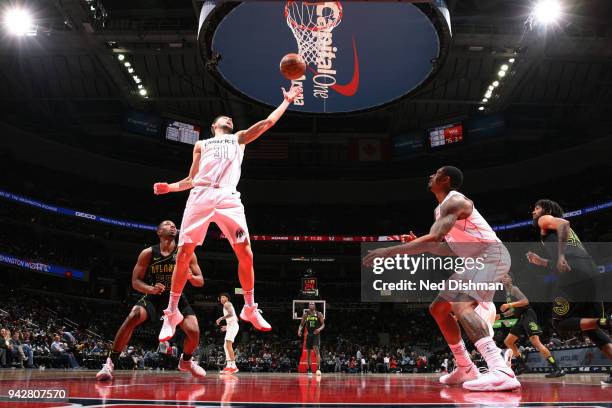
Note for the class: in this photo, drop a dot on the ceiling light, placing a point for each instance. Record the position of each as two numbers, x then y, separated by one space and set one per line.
547 11
502 73
120 57
18 21
495 83
504 67
511 60
481 108
143 92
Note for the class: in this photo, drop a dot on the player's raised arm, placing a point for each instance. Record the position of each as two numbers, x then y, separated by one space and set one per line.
144 259
562 226
456 208
252 133
187 182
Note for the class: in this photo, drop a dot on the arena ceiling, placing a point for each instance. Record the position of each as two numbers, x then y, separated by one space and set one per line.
68 75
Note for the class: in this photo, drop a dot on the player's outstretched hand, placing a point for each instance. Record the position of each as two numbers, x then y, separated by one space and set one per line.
535 259
158 288
293 93
562 265
377 253
408 237
161 188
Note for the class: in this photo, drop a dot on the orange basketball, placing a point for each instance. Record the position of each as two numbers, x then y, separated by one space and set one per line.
292 66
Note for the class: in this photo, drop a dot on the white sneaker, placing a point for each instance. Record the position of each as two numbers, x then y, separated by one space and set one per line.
171 320
497 379
318 373
253 315
508 357
191 366
460 375
106 373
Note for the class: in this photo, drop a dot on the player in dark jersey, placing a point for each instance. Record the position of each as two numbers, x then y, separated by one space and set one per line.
315 323
151 279
517 306
576 278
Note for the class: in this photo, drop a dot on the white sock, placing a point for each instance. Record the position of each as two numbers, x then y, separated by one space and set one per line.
461 354
249 297
173 301
491 353
233 365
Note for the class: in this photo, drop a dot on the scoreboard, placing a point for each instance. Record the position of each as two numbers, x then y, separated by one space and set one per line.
445 135
182 132
309 286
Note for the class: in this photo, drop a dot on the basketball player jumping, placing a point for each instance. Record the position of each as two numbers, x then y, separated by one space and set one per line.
151 276
465 233
214 174
231 330
517 305
576 274
315 323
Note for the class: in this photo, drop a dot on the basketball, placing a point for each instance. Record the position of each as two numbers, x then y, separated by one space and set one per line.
292 66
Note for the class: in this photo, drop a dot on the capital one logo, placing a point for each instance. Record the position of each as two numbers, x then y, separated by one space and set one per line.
325 75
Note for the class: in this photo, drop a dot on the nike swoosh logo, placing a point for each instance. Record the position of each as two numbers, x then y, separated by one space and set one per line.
350 88
508 374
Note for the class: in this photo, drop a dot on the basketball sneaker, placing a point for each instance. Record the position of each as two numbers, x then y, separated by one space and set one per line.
607 382
233 370
556 373
253 315
171 320
496 379
106 373
191 366
309 373
318 373
460 375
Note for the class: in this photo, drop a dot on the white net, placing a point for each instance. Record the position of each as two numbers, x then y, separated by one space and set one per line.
311 23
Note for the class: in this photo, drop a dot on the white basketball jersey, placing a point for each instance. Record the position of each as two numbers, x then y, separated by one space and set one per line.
472 229
234 318
220 162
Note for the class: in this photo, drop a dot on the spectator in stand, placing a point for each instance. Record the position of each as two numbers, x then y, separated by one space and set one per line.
386 363
4 347
60 350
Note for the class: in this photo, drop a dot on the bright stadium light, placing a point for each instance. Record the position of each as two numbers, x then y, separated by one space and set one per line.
547 11
481 108
502 73
143 92
140 86
495 83
485 100
511 60
488 94
120 57
127 64
18 22
136 79
130 70
504 67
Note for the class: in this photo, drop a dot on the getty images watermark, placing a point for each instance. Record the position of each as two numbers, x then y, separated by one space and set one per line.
476 270
411 264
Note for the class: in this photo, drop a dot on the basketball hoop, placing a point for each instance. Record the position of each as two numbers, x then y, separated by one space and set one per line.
311 22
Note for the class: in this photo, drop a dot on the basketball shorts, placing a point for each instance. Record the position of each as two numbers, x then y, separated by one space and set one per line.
487 312
219 205
312 341
155 305
474 281
527 325
231 332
